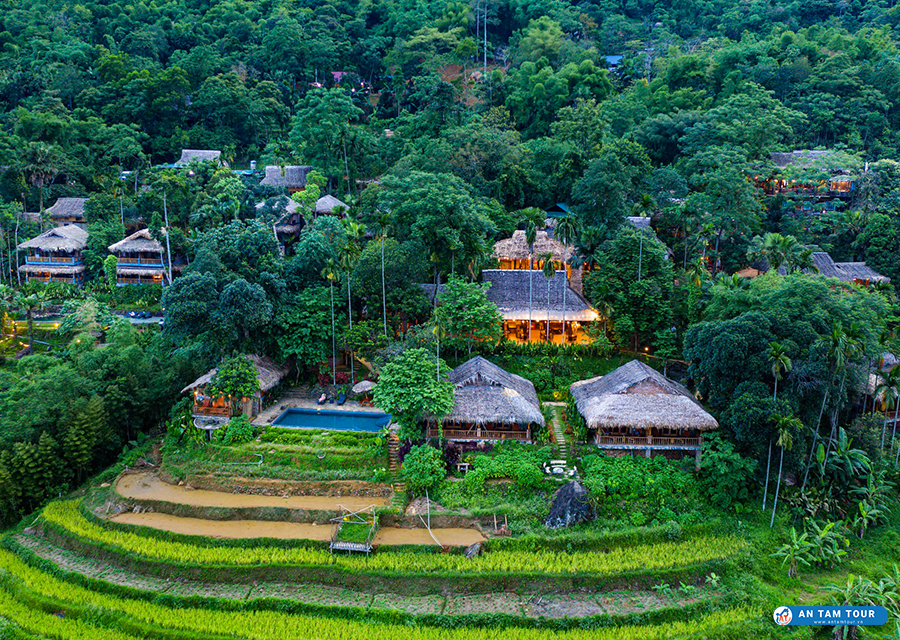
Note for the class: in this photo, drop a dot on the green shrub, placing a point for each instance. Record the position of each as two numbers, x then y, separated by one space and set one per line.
655 480
672 530
423 469
725 476
237 431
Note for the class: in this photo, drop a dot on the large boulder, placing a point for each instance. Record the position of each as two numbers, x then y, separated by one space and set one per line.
571 505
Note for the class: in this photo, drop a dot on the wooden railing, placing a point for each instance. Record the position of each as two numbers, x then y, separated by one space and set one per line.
57 278
643 442
479 434
52 260
212 411
140 262
148 279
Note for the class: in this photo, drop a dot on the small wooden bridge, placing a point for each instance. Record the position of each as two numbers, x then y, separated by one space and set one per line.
357 516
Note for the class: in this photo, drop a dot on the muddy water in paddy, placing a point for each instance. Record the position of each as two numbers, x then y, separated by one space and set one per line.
148 486
290 530
447 537
228 528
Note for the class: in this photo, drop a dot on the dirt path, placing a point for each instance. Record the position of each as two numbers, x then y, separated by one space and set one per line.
238 529
148 486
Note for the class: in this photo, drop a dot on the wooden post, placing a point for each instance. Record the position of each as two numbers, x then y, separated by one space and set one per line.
697 460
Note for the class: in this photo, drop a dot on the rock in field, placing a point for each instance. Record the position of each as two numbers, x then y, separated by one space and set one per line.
571 505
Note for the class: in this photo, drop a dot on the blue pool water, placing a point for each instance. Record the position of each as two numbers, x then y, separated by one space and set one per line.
333 420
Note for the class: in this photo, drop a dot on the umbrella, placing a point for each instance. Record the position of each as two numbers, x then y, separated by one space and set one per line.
363 387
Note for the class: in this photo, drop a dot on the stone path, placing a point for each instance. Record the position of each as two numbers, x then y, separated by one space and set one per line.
556 425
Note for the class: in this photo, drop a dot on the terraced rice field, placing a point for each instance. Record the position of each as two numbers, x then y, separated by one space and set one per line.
78 576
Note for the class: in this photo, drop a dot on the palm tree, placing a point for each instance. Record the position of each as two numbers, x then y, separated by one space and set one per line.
780 363
383 224
773 248
836 343
566 230
890 386
439 332
30 304
331 274
785 427
532 218
41 164
549 271
349 256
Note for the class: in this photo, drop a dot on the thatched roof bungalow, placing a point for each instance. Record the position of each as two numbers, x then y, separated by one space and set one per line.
513 252
55 255
268 374
510 291
490 404
139 259
327 204
68 211
290 177
636 408
856 272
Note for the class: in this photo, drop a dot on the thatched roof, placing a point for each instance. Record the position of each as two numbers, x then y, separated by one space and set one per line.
486 393
67 208
516 248
67 238
268 373
140 271
138 242
203 155
510 288
843 271
67 269
637 396
290 176
327 204
639 222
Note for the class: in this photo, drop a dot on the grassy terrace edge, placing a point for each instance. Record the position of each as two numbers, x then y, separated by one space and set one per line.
25 591
373 614
64 521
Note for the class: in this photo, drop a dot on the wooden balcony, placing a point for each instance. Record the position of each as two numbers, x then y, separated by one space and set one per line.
52 260
480 434
224 412
140 262
147 279
647 442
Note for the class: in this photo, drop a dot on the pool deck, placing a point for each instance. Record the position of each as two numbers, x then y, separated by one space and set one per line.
299 399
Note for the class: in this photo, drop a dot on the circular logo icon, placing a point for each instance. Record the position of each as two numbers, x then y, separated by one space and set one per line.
782 616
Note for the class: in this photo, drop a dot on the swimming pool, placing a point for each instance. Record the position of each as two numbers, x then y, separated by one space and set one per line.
332 420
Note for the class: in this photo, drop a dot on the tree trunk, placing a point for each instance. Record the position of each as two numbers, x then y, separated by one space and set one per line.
383 294
812 449
768 464
30 318
777 490
333 341
350 321
893 431
833 423
548 311
530 288
565 286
